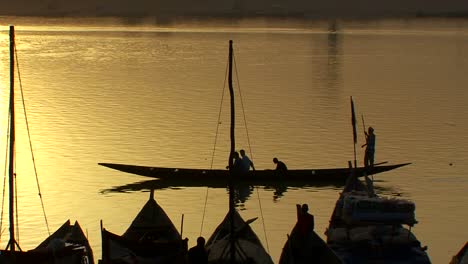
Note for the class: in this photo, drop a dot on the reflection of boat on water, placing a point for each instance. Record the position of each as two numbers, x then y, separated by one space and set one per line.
242 190
151 238
207 176
68 244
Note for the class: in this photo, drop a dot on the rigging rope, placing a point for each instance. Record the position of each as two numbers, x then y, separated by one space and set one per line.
214 145
30 143
219 116
243 111
5 174
250 151
263 219
248 143
16 208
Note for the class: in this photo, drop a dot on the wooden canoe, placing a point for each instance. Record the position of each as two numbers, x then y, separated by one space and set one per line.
203 176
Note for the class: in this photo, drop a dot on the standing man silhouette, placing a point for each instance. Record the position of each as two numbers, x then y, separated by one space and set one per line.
370 148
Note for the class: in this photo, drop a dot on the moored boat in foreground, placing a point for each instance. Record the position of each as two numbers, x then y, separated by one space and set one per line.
72 235
68 245
151 238
248 247
462 256
367 228
306 247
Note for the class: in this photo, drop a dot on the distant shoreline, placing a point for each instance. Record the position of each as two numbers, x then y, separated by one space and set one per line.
245 15
235 17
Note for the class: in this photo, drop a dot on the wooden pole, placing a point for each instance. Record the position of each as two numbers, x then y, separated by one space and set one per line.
11 177
231 163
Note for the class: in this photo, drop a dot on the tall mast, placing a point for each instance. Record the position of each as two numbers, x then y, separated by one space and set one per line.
231 154
12 242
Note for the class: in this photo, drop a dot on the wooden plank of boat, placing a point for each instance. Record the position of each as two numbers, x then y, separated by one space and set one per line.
151 238
249 248
307 248
308 175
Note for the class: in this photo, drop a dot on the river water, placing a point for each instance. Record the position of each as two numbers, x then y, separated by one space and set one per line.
105 90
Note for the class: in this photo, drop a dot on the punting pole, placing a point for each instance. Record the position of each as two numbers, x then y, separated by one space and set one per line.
353 122
182 226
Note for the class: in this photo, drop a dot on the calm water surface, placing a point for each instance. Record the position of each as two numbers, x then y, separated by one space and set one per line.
104 91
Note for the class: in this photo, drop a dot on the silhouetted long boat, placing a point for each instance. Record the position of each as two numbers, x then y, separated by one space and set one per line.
219 175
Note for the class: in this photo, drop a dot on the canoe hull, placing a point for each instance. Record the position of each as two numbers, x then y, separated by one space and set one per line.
304 175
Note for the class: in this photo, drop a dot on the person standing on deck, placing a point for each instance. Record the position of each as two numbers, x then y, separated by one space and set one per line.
281 168
246 163
370 148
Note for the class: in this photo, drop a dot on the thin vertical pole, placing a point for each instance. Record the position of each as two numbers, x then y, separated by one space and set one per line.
233 144
12 242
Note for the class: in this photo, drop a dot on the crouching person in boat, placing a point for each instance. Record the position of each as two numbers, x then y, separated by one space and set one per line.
281 168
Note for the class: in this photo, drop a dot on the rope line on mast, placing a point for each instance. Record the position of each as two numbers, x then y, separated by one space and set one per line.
263 220
30 142
219 115
5 176
17 238
214 145
250 151
243 110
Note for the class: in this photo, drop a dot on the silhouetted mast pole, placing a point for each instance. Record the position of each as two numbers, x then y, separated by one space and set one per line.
231 155
12 243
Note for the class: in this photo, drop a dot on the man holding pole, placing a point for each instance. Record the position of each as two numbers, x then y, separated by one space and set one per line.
370 148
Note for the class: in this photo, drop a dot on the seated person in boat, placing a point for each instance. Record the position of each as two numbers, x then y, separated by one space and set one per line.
198 254
246 163
236 162
281 168
305 221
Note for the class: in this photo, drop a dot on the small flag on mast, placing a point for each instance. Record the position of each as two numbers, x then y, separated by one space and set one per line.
353 121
